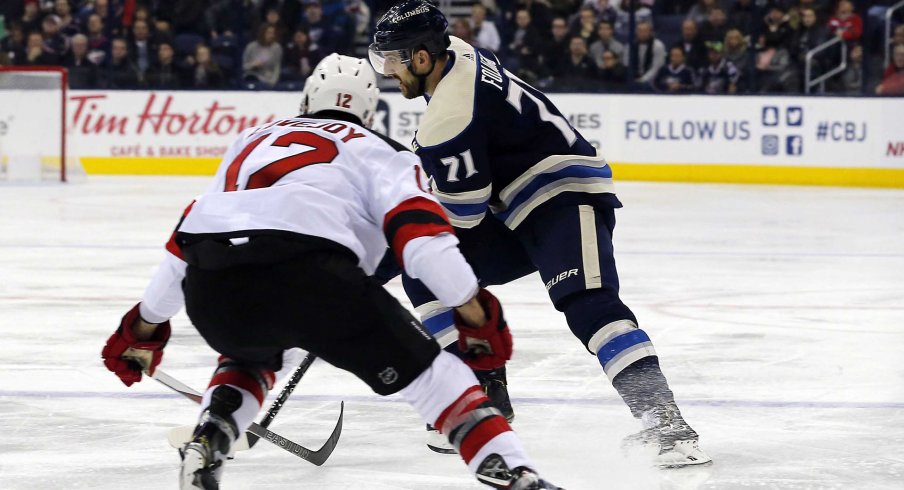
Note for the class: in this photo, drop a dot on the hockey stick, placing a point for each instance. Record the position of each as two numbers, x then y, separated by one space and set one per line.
317 457
284 395
178 436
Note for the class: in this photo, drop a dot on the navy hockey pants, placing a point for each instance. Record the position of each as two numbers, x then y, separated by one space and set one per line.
569 245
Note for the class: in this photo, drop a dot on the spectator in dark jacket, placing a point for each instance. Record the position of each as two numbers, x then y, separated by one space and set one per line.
82 72
120 71
555 49
540 13
584 25
675 77
35 55
13 45
299 59
69 25
97 41
692 45
165 73
715 27
142 48
775 30
322 32
809 35
31 18
524 47
202 71
55 43
613 74
579 72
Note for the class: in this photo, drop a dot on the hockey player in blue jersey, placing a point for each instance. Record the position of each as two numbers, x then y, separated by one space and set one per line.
525 192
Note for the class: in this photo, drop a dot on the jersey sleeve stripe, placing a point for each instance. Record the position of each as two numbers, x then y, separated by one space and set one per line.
413 218
468 197
551 165
171 245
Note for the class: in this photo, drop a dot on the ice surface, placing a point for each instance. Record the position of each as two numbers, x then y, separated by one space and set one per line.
778 313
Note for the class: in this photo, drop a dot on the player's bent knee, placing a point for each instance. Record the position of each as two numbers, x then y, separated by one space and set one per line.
588 311
257 381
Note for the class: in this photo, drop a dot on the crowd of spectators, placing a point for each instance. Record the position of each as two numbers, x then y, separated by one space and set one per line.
696 46
180 44
680 46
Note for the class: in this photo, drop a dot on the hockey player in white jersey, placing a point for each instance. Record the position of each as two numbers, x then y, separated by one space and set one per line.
278 254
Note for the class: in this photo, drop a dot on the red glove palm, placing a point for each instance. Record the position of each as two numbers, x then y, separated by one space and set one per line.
126 356
489 346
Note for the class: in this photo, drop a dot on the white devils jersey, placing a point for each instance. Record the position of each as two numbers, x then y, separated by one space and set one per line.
324 178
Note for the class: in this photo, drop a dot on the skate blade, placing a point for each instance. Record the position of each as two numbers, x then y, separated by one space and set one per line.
438 443
684 454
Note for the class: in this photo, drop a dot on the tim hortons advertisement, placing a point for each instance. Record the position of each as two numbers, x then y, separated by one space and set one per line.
649 137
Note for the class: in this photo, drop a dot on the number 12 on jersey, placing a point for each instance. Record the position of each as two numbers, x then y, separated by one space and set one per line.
320 150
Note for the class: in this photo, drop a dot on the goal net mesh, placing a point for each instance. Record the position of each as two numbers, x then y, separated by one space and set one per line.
33 142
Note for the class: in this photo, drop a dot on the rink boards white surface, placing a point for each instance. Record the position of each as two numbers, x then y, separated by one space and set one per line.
777 313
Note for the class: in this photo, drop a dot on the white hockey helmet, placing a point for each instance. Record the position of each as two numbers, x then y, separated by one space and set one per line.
344 84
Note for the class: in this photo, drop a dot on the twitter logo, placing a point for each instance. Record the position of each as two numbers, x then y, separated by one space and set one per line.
794 116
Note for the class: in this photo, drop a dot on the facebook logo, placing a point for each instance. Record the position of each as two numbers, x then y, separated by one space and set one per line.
794 145
770 144
794 116
770 115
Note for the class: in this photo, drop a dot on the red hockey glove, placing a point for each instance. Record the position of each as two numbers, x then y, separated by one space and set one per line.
126 356
490 345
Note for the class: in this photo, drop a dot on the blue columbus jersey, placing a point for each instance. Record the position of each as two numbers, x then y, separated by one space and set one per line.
489 141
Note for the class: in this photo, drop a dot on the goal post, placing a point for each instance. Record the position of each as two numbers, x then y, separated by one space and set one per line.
33 124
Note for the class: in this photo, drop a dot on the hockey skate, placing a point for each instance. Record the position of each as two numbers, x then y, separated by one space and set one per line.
494 472
203 456
437 442
212 442
667 438
495 385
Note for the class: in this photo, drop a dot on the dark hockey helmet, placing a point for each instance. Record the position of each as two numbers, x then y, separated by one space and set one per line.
408 25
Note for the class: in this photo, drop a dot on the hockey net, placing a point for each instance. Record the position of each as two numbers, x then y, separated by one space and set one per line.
33 133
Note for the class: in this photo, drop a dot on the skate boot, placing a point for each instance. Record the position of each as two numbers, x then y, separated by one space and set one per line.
495 385
211 443
437 442
494 472
668 438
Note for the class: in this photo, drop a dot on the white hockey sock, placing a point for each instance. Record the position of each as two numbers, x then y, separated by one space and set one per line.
245 414
447 393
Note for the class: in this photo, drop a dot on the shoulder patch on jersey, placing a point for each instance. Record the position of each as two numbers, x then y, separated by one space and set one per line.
451 109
